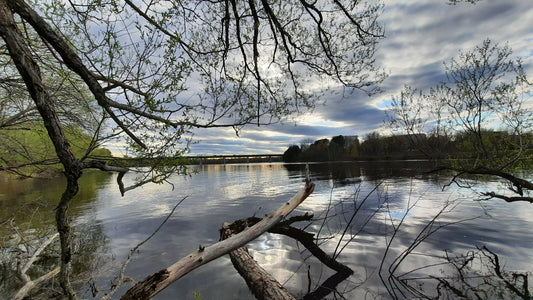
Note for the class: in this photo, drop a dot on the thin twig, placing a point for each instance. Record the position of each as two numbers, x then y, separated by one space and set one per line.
132 251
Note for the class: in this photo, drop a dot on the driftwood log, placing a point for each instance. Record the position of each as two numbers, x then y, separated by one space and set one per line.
260 282
263 285
306 239
158 281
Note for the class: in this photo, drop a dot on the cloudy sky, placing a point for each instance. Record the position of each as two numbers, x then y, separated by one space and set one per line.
420 36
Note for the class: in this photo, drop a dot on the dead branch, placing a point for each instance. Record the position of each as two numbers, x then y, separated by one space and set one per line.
328 286
33 283
155 283
28 283
305 238
491 195
518 183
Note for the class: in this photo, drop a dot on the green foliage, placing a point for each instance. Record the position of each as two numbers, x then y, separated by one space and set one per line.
173 68
197 295
376 146
31 147
101 152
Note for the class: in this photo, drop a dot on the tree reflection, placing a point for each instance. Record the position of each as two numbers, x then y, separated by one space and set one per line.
476 274
416 229
27 225
404 228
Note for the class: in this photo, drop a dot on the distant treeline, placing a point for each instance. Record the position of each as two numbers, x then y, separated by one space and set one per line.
416 146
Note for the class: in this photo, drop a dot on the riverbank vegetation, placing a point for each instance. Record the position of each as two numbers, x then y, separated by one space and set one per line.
421 146
485 87
454 122
28 152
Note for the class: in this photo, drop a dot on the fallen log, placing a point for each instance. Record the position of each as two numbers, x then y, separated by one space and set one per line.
261 283
158 281
306 239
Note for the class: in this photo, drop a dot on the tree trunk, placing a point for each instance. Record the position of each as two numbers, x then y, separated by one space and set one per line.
30 72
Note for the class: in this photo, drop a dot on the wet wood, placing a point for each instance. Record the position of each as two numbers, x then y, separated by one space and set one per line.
28 283
155 283
261 283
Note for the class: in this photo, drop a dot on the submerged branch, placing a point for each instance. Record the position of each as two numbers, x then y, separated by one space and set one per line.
519 185
262 284
507 198
28 283
305 238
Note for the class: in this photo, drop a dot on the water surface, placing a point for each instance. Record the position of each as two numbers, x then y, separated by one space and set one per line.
357 207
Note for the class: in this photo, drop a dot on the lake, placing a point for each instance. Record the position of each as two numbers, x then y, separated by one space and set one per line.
367 213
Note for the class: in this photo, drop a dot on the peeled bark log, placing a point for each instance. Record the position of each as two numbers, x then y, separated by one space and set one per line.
258 280
155 283
28 283
28 286
261 283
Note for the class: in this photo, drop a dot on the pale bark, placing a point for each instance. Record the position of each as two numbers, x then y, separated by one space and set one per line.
155 283
28 286
28 283
261 283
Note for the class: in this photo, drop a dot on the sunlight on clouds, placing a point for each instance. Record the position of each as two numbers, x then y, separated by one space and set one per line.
384 103
318 120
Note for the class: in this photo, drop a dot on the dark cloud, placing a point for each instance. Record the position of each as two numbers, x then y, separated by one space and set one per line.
426 76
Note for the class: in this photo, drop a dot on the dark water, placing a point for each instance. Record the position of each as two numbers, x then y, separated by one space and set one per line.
360 210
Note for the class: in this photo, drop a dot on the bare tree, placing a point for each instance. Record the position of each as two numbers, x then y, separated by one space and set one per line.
485 89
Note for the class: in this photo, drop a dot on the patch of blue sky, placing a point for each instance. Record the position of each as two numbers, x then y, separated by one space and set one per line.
384 103
399 215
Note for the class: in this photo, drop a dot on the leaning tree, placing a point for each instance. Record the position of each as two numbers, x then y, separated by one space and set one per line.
159 69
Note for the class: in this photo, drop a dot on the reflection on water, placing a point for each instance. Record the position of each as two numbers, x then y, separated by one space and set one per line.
356 207
31 202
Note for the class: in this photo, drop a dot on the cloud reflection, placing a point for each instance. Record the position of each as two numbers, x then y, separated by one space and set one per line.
218 194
